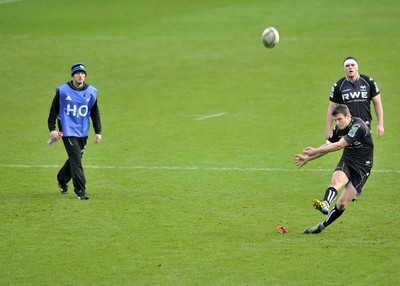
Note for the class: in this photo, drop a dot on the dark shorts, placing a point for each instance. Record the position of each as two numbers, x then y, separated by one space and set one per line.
356 174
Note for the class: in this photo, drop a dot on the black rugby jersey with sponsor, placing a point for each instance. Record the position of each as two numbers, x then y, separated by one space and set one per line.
361 147
357 96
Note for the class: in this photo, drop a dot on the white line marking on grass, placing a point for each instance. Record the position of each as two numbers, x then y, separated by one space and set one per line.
210 116
293 240
9 1
183 168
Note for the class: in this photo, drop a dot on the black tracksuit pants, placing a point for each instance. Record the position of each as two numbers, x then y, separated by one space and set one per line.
73 168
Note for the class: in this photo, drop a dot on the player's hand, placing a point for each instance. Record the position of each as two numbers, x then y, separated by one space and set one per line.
380 130
300 160
54 136
97 138
310 151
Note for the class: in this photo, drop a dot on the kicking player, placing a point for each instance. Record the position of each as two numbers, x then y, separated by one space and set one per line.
353 136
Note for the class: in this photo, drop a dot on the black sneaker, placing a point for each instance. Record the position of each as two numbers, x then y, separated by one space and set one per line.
82 195
314 230
63 189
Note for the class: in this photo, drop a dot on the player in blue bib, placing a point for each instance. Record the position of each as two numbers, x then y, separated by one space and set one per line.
74 105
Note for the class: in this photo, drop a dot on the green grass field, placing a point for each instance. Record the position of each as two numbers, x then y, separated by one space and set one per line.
200 125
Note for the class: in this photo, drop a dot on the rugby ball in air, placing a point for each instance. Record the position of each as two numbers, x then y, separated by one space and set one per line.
270 37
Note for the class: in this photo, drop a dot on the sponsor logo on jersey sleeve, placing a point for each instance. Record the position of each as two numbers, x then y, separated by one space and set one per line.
353 130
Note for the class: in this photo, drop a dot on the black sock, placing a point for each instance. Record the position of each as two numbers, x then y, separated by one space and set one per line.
333 215
330 195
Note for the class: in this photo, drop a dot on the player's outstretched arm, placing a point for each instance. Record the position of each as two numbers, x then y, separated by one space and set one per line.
326 148
300 160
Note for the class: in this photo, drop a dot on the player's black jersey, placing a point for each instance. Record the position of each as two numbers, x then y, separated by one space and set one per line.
361 147
357 96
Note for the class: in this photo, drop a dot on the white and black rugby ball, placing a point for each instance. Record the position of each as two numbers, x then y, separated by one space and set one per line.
270 37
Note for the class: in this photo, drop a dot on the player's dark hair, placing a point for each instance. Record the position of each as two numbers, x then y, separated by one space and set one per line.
340 109
350 58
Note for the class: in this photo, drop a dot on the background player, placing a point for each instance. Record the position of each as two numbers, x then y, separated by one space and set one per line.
356 91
